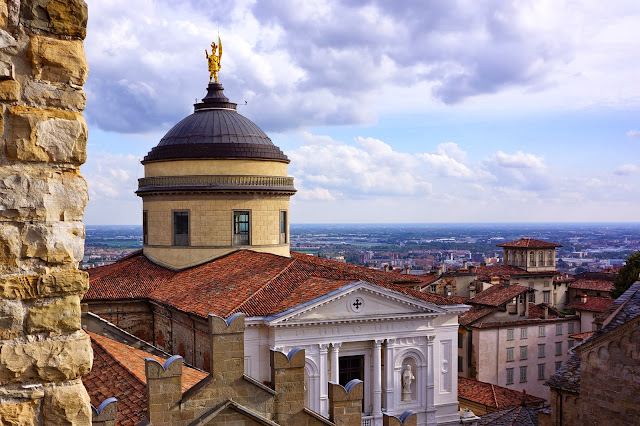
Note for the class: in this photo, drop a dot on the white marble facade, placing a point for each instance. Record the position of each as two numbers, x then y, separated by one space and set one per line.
388 329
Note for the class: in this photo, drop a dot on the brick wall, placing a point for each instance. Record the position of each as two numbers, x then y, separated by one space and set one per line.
43 140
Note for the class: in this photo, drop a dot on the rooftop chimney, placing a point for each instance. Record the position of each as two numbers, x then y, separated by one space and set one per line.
407 269
583 298
472 269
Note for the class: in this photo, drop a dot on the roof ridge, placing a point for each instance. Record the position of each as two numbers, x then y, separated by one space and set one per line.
513 422
493 391
272 279
116 359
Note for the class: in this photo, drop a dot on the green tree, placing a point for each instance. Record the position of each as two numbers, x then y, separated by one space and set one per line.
628 274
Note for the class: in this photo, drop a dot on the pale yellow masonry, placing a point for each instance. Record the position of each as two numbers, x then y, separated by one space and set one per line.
215 190
43 138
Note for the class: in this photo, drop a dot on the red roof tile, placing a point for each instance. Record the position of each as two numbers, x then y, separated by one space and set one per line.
592 284
258 284
497 295
593 304
494 396
119 371
475 313
529 243
486 272
581 336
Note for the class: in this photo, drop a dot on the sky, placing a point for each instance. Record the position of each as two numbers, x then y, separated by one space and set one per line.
390 111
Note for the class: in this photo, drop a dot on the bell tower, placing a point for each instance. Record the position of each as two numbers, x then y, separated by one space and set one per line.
214 184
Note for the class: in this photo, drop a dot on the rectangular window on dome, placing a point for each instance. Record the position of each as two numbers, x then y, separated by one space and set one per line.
241 228
181 228
283 227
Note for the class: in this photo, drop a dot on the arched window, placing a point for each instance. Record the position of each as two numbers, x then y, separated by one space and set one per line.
550 258
508 258
540 258
532 259
517 260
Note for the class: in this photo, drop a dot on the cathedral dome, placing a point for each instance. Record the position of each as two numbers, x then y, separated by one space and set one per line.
215 130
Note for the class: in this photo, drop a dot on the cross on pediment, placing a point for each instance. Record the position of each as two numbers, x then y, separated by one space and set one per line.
357 304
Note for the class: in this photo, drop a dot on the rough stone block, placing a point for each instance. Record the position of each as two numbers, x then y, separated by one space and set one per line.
9 90
45 95
10 246
58 315
62 17
67 405
46 135
52 360
19 413
11 318
56 242
4 13
7 40
61 61
42 196
68 17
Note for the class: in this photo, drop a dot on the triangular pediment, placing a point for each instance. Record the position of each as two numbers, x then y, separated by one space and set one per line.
358 301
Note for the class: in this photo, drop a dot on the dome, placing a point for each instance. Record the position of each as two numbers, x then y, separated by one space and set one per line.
215 130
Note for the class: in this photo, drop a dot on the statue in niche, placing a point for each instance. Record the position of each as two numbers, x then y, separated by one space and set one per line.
407 379
214 60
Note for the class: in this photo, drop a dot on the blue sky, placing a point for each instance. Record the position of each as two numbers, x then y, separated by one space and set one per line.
441 111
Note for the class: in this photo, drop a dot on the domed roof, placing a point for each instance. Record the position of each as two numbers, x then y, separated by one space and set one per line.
215 130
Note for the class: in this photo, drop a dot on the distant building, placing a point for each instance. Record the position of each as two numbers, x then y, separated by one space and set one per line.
507 341
538 275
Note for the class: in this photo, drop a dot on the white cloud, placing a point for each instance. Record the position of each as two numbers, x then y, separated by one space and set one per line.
301 64
633 134
626 170
519 160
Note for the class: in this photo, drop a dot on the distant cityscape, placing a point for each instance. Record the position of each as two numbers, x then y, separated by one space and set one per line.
420 247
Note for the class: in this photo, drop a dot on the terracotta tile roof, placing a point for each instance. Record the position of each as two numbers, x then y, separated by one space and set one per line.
537 311
133 360
475 313
494 396
497 295
592 284
258 284
529 243
593 304
523 322
108 378
516 416
486 272
131 277
119 371
581 336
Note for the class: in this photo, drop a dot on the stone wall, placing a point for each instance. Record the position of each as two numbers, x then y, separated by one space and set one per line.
43 141
609 386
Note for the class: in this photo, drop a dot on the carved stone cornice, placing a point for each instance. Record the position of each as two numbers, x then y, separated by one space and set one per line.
215 183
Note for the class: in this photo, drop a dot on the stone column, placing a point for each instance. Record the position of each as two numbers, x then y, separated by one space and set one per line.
335 362
324 379
431 409
377 380
389 388
42 200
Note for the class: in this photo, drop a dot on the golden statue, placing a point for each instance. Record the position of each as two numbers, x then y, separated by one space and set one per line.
214 61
